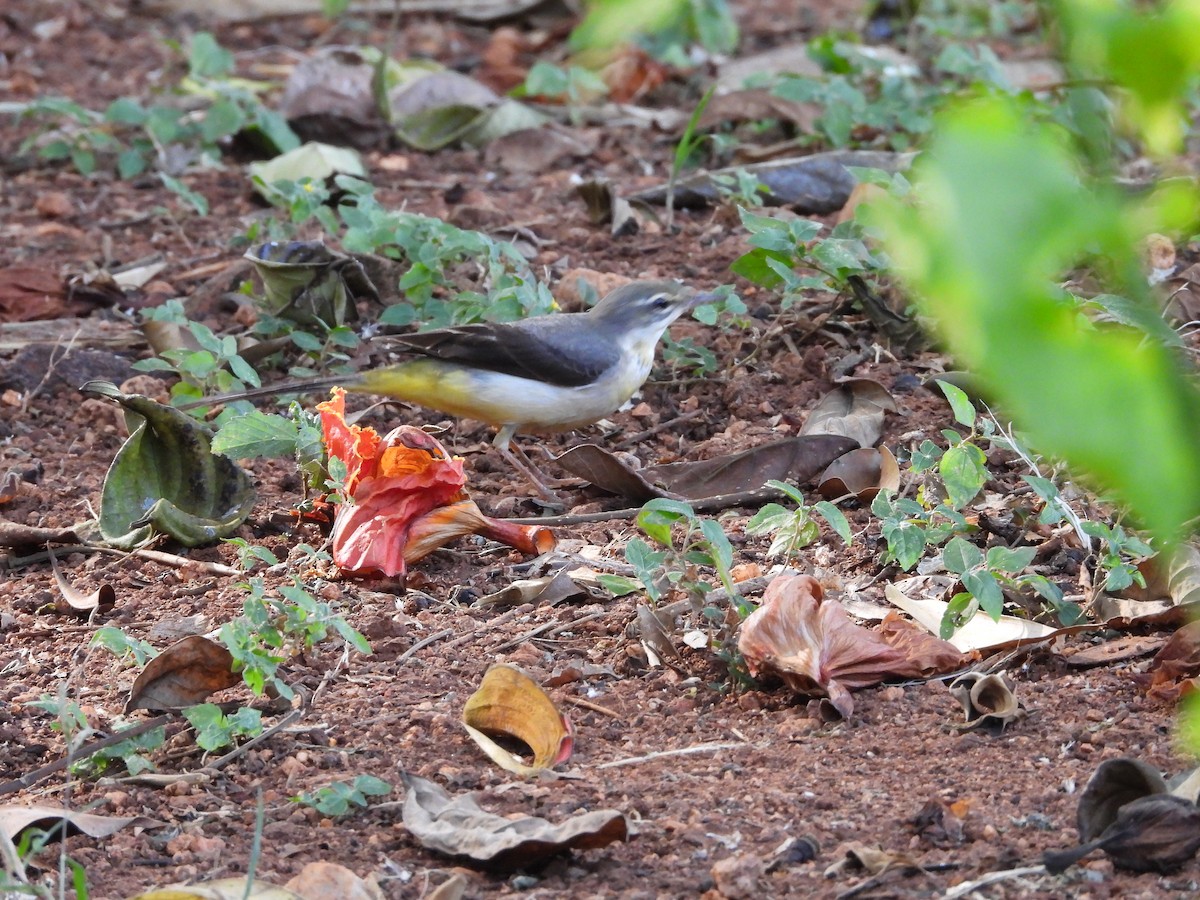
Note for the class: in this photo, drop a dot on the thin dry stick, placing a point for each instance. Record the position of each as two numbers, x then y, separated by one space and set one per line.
552 627
968 887
594 707
682 751
294 716
423 643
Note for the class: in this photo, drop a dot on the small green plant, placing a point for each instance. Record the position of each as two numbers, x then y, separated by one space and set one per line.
130 753
792 257
672 568
132 137
685 150
215 367
910 526
120 644
1119 556
794 529
215 730
575 86
68 717
14 880
274 628
250 555
984 578
337 798
740 188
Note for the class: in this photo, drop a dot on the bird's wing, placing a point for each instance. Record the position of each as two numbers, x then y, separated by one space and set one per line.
558 349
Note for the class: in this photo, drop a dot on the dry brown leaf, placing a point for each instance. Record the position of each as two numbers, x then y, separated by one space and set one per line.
795 460
929 655
15 819
1173 665
511 704
184 674
813 646
986 699
458 827
1157 833
223 889
854 409
329 881
862 473
100 600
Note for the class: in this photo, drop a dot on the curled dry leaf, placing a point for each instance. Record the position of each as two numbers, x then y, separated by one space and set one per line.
458 827
511 704
1158 833
861 473
795 460
859 857
986 699
183 675
813 646
928 654
853 409
549 589
328 881
1115 783
100 600
223 889
15 819
1174 669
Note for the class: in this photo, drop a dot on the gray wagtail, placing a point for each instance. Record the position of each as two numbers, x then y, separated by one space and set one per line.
543 374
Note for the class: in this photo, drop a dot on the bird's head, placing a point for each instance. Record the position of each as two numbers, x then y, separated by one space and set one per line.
641 311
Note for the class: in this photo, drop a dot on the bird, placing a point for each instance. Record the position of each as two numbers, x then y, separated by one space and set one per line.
543 374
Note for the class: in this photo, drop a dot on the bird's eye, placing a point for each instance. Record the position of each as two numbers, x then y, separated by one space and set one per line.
660 301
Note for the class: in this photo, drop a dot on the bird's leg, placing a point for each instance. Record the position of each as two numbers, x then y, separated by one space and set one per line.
522 464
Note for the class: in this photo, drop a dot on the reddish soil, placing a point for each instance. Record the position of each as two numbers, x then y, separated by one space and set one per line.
899 774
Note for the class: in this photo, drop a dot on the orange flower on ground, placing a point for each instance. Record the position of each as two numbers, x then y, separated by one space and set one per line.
405 498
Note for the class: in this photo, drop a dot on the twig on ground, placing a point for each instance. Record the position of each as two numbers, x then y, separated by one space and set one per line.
968 887
594 707
422 644
682 751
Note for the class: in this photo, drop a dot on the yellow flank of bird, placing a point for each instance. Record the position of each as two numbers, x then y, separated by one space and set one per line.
499 399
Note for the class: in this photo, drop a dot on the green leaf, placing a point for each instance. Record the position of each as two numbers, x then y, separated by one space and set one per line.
962 473
952 617
836 519
984 588
223 119
207 58
619 585
1010 559
960 403
906 542
961 556
183 192
372 786
718 540
166 478
768 519
256 434
754 266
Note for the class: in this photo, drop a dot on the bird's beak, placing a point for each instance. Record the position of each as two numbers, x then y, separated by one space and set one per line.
700 298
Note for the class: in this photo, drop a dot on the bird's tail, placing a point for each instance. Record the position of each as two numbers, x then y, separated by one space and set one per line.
296 386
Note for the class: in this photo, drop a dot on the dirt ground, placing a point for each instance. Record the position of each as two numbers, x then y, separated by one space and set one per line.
761 767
